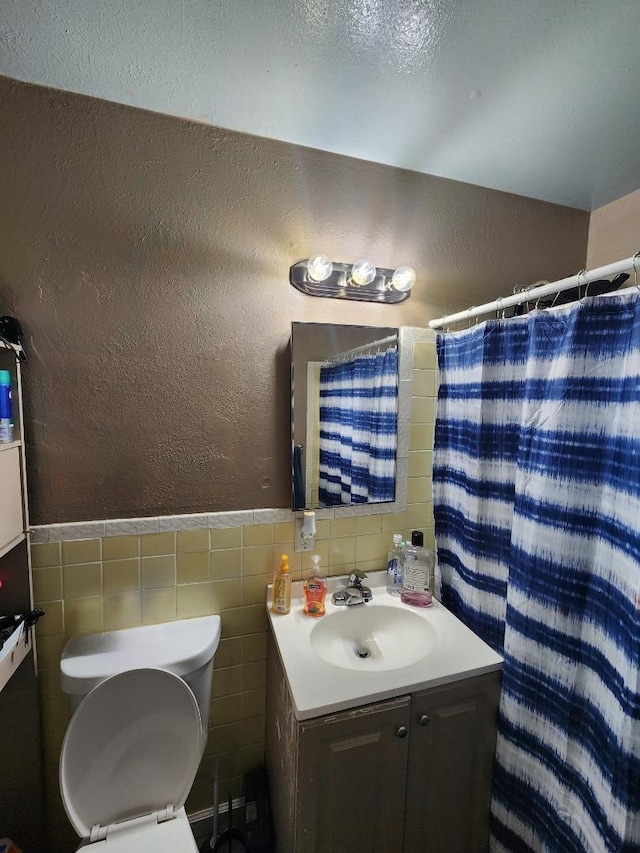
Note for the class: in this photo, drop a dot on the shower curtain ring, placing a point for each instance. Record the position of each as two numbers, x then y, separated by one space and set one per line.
527 301
581 275
635 270
498 305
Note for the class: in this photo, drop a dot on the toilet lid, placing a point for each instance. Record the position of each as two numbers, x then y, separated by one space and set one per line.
132 748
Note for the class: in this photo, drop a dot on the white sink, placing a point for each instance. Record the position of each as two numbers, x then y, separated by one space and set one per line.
409 649
373 638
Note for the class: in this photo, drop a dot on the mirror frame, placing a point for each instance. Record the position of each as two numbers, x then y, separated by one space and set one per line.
407 336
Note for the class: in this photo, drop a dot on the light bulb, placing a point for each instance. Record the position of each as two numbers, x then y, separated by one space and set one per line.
403 279
319 268
362 272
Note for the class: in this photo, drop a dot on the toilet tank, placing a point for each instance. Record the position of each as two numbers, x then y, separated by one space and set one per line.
185 647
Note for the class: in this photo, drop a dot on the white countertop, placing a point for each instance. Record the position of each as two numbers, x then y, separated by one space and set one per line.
318 687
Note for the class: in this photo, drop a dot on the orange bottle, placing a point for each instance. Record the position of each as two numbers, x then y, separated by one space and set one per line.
315 590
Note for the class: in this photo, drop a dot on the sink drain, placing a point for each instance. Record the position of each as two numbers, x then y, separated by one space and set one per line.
362 652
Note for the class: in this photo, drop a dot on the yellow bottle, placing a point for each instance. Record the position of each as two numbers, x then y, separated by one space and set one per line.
281 599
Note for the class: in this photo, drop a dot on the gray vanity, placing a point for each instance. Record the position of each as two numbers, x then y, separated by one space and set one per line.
390 758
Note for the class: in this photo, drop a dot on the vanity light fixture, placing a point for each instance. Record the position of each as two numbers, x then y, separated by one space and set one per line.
318 276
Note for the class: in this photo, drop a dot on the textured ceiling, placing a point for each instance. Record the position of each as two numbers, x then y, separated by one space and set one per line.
535 97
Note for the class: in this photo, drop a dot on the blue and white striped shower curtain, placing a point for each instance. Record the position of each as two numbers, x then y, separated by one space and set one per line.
358 418
537 506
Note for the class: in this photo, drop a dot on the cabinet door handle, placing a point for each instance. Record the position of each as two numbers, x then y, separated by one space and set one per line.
423 719
402 731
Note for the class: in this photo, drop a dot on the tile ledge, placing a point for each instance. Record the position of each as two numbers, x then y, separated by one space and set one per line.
43 533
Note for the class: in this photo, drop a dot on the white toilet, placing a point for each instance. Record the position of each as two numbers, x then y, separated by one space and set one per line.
135 740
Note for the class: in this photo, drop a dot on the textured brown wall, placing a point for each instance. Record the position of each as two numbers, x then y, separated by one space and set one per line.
148 258
614 231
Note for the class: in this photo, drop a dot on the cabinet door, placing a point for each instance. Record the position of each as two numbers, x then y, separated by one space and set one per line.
11 517
21 790
353 770
453 736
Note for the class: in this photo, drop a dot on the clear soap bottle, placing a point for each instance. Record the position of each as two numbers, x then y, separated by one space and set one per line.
394 566
418 567
281 599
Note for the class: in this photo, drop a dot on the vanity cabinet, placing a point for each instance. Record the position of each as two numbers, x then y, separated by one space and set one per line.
351 779
450 769
407 774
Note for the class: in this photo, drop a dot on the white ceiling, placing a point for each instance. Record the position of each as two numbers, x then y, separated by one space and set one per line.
536 97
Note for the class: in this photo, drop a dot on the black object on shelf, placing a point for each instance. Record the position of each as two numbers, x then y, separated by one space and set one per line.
11 334
8 624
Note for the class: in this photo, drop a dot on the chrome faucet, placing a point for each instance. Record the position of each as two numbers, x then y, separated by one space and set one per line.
354 593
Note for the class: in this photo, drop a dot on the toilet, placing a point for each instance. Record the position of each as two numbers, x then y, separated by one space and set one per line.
140 700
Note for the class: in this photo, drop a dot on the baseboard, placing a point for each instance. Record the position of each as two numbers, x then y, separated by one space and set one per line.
201 821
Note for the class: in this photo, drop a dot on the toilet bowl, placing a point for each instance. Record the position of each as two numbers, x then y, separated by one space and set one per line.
129 758
140 700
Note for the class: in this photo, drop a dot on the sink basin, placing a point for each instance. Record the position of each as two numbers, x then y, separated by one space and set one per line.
373 638
404 649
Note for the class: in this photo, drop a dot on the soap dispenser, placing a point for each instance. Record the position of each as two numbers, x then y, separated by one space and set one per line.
418 568
315 590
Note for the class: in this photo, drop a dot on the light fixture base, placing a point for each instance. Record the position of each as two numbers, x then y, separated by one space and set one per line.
338 286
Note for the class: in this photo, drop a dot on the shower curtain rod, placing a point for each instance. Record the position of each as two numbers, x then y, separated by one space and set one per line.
534 293
362 348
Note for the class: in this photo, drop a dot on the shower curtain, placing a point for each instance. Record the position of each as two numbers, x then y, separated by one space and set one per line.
358 418
537 507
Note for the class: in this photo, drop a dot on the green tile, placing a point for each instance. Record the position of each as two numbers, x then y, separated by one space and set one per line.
47 584
120 547
81 551
82 580
226 537
46 554
155 544
158 572
193 540
121 575
192 567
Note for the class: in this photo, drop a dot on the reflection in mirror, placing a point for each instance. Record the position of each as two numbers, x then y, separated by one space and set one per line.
344 410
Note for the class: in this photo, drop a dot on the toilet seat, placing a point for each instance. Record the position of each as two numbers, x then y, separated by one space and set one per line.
129 758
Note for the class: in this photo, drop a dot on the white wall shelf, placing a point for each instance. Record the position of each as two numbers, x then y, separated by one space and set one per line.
16 595
4 549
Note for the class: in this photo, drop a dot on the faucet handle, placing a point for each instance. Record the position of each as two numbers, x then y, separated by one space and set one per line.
354 592
356 577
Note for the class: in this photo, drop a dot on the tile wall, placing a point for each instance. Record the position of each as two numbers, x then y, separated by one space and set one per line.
118 576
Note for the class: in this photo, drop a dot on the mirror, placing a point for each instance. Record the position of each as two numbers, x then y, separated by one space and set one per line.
344 414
